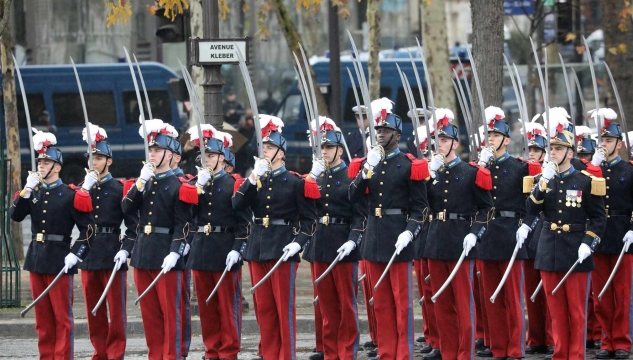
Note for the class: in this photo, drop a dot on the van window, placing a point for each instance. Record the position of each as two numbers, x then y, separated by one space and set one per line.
350 102
158 99
289 112
99 105
36 108
402 106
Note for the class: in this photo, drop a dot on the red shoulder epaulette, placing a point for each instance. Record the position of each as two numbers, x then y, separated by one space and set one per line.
354 167
188 193
631 162
592 169
72 186
534 168
189 176
483 178
17 193
419 168
236 176
183 180
238 182
311 189
127 185
82 201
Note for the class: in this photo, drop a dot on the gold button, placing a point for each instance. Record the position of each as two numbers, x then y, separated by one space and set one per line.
494 187
46 201
607 196
560 191
608 178
381 183
208 183
149 223
608 170
153 192
383 172
560 201
558 231
447 172
327 195
43 231
494 198
44 211
209 203
327 205
330 176
269 189
43 221
446 181
267 197
98 188
561 181
445 191
151 203
267 206
607 187
559 221
560 211
96 216
209 214
607 206
150 213
47 193
155 182
496 167
97 206
380 194
379 205
384 162
328 185
495 176
445 200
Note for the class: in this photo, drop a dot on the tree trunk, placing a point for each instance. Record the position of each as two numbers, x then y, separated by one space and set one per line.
487 42
293 39
435 42
10 118
619 63
373 63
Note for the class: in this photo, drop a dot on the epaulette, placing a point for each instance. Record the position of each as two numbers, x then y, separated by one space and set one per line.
528 184
127 185
598 184
82 201
631 162
354 167
419 168
72 186
238 182
310 187
592 169
183 180
483 178
188 193
534 168
189 176
15 196
236 176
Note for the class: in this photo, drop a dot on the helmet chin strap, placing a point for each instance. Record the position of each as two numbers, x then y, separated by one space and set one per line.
564 157
49 171
162 159
614 148
501 144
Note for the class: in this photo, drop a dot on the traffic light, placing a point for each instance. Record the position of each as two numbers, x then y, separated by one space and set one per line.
563 20
167 30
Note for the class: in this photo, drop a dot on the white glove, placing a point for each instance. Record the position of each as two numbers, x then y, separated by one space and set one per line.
291 250
121 257
549 171
403 240
69 261
437 161
486 154
522 234
583 252
628 240
346 248
92 177
32 180
203 176
147 172
170 261
469 242
318 167
374 156
261 167
232 258
186 250
598 157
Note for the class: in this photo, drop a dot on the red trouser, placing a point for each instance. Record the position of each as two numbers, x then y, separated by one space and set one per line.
507 335
393 305
455 309
540 323
160 311
594 330
614 310
221 320
185 313
481 319
567 308
318 319
428 313
259 344
337 301
107 337
276 309
368 293
54 322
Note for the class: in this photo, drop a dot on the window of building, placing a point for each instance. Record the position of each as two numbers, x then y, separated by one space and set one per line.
99 105
158 99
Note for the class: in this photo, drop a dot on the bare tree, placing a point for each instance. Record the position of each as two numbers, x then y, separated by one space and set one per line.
373 62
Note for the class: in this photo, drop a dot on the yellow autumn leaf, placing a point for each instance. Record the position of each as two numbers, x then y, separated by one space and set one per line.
622 48
224 9
613 50
174 7
570 37
117 13
344 13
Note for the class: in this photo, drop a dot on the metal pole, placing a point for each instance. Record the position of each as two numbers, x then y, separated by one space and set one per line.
335 112
212 83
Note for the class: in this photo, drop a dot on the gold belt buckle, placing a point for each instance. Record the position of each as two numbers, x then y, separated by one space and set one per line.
326 220
266 221
207 229
378 212
553 226
441 216
39 237
148 229
566 228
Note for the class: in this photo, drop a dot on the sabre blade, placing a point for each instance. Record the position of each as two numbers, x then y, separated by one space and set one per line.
543 91
478 86
430 92
193 97
307 68
473 123
83 106
360 112
27 113
525 115
416 139
140 75
580 96
139 103
595 91
621 109
251 98
423 100
416 120
519 104
572 109
364 88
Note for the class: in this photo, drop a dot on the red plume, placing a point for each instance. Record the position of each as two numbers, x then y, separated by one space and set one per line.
268 129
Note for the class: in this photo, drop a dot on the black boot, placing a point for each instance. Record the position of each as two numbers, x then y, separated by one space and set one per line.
621 354
479 344
433 355
421 339
426 349
604 354
369 344
541 349
371 353
485 352
317 356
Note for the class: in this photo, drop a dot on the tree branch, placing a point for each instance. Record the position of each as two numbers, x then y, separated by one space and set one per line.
6 12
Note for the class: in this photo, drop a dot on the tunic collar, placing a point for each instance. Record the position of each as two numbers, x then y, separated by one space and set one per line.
52 185
392 153
279 171
567 172
165 174
105 178
614 161
453 162
338 168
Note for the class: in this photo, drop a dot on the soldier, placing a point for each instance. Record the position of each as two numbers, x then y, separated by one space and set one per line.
586 144
508 230
573 219
421 114
613 311
460 209
55 208
108 336
285 219
338 235
164 207
220 237
429 326
356 139
396 200
539 331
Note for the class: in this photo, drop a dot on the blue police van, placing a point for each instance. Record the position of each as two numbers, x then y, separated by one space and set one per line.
55 105
292 111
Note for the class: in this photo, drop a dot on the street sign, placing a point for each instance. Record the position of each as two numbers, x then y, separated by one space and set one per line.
218 51
518 7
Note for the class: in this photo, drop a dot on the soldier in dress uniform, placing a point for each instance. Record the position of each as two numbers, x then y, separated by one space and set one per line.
586 144
460 209
107 335
55 208
429 326
220 237
539 330
572 211
285 220
614 309
164 206
355 139
508 229
397 203
339 233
